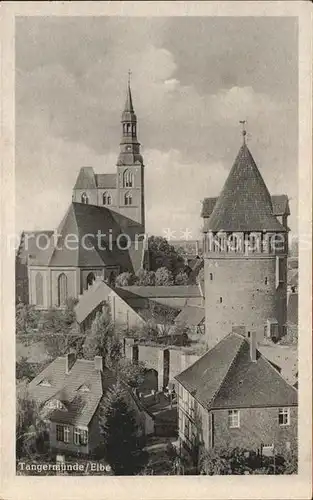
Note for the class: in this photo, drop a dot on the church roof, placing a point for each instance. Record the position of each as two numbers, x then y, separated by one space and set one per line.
82 223
128 113
86 179
225 377
244 203
106 181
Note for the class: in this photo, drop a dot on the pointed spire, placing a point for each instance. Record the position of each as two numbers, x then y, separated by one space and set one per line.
129 100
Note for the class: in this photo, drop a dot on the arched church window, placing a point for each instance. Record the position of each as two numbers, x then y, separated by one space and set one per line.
128 179
128 199
62 290
106 199
39 289
84 198
90 279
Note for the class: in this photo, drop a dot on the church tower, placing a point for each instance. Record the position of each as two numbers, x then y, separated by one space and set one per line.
245 257
130 167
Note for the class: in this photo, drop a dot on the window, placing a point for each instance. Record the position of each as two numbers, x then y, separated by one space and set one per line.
90 279
62 290
128 199
233 418
106 199
84 198
128 179
221 300
284 416
211 276
63 433
45 383
80 436
265 280
39 289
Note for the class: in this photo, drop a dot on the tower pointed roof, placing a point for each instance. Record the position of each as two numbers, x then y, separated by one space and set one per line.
129 101
244 203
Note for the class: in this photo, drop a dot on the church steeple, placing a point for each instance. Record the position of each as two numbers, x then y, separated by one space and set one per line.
129 145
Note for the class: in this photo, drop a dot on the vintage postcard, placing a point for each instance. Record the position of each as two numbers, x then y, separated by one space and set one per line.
156 250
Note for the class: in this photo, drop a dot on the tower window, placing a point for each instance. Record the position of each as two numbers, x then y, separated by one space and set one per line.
128 199
265 280
84 198
211 276
128 179
106 199
221 300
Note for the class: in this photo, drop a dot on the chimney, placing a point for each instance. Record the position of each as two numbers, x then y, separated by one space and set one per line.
98 363
70 359
253 345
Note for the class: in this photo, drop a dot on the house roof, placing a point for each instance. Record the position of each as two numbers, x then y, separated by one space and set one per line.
244 203
80 405
83 222
175 291
96 294
225 377
191 316
292 277
280 205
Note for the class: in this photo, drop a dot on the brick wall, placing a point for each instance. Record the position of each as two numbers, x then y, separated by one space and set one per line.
257 426
241 291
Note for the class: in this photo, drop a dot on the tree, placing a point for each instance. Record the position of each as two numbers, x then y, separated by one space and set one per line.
145 278
30 428
131 373
125 279
163 277
123 447
27 371
181 278
26 318
97 340
162 254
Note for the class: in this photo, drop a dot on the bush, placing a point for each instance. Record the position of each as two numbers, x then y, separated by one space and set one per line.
125 279
163 277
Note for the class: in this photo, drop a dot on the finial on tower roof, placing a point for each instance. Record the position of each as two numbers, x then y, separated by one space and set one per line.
244 132
129 75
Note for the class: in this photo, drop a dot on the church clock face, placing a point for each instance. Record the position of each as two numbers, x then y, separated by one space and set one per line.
128 148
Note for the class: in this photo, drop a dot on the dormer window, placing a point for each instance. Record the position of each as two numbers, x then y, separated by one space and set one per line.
84 199
128 199
45 383
55 404
83 388
128 179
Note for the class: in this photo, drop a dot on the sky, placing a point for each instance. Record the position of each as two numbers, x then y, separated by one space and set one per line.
192 80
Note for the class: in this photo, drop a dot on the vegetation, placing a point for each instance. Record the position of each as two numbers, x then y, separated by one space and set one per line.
123 447
181 278
162 254
125 279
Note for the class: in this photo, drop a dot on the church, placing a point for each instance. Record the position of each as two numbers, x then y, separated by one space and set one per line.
101 235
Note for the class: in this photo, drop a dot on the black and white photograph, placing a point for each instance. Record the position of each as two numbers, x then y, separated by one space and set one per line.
157 246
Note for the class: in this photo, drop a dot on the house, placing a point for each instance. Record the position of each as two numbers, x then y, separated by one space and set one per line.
234 397
132 306
193 317
69 392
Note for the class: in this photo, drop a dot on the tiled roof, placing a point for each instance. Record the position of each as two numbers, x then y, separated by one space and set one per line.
191 316
175 291
244 203
80 406
280 205
225 377
86 179
292 277
29 242
80 221
106 181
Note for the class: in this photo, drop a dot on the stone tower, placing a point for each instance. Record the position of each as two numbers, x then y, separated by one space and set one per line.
130 167
245 256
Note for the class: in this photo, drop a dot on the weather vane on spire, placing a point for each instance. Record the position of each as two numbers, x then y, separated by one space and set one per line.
244 132
129 75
